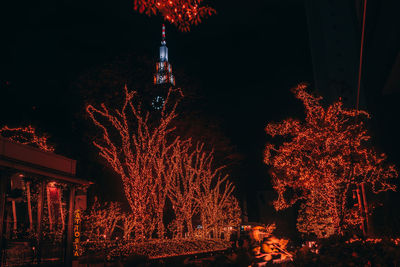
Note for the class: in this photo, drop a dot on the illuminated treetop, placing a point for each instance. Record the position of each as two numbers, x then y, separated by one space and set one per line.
182 13
26 136
329 151
155 165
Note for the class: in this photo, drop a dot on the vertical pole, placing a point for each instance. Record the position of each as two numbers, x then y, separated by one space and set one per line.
366 208
14 212
49 207
361 54
68 249
39 220
59 190
361 209
28 196
3 186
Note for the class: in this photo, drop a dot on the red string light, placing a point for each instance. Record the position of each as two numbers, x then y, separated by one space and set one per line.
26 136
320 161
155 166
181 13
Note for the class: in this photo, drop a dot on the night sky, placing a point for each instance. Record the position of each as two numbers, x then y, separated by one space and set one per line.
245 59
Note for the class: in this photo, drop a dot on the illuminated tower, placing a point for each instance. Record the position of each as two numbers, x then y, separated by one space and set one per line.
163 73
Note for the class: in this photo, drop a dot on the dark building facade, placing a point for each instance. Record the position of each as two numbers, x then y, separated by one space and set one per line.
40 205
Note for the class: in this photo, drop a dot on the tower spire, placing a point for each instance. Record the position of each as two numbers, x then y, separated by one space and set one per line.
163 42
163 73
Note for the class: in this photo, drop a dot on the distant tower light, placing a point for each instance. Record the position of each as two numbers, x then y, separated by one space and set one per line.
163 73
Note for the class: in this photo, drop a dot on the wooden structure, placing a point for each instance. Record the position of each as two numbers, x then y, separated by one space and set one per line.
38 194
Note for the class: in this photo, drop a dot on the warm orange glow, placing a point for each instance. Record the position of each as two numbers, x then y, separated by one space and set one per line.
320 161
181 13
154 165
27 136
102 220
268 246
77 233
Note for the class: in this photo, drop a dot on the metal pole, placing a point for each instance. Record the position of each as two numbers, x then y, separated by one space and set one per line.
367 222
357 106
361 209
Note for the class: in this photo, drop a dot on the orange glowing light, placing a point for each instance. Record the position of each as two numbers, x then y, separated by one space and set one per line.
321 160
154 165
176 11
27 136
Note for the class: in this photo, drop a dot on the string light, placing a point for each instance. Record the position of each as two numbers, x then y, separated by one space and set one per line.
320 161
154 166
182 13
26 136
156 249
101 221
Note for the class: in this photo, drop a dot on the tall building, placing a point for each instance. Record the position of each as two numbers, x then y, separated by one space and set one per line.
163 73
163 77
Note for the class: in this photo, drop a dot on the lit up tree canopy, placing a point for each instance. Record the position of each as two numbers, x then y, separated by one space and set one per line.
138 153
155 165
320 160
27 136
181 13
199 188
102 220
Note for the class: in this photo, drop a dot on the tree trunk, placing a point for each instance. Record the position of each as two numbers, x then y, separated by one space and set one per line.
179 226
189 226
160 226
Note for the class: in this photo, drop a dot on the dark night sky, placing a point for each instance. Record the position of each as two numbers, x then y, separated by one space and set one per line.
245 59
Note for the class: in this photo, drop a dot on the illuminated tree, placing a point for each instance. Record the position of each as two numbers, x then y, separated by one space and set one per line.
181 13
193 122
139 152
321 225
198 188
183 185
26 136
230 216
101 221
127 225
320 160
155 164
215 199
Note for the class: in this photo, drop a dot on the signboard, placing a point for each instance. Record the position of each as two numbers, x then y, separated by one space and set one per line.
77 233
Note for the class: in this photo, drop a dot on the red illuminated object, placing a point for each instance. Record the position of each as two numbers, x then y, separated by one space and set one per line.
321 160
181 13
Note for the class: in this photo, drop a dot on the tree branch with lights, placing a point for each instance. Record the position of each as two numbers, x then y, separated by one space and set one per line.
182 13
321 160
138 153
155 165
215 198
26 136
101 221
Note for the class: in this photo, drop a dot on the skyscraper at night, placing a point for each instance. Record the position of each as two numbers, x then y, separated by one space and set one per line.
163 77
163 73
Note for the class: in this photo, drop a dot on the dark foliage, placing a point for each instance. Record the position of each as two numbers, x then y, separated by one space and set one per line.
335 252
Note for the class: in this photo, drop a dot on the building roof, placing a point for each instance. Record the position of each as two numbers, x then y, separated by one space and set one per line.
32 160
